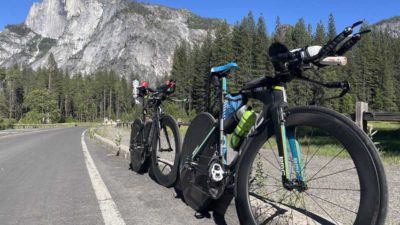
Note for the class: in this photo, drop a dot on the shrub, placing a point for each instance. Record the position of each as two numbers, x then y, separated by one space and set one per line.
6 123
32 117
20 29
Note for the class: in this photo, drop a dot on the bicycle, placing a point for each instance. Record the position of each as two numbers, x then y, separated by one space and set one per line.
155 144
326 170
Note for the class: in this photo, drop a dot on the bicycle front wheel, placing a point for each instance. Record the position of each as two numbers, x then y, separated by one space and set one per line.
165 152
344 180
138 148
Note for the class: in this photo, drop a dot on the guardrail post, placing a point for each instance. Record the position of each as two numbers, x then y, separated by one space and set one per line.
361 107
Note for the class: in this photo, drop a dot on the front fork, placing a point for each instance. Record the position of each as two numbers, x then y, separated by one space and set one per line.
285 138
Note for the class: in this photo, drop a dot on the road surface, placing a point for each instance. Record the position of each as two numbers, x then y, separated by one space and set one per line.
57 177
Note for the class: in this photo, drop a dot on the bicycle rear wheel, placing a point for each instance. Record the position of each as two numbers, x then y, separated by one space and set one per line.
166 151
194 173
345 179
139 156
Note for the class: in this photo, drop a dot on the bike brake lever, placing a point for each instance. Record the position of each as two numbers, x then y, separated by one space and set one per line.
344 85
351 42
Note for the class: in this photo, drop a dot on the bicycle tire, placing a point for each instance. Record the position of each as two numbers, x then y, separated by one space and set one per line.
139 156
372 206
164 170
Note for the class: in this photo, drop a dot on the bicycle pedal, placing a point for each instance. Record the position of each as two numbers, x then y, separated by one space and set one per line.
166 150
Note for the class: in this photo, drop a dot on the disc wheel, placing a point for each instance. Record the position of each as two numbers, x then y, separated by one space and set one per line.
194 174
138 150
346 183
166 151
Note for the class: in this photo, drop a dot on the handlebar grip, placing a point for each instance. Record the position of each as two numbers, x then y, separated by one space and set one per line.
348 45
331 45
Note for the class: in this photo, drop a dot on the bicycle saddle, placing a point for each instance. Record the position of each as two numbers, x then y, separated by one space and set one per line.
222 71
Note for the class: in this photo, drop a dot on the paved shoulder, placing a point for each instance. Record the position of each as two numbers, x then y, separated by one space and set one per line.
139 199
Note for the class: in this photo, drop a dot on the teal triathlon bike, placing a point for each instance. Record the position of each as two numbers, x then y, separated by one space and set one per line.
297 165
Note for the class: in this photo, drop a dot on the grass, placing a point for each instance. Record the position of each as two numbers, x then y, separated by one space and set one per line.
388 140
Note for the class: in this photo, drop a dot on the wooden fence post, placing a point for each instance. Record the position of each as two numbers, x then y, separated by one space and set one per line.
361 107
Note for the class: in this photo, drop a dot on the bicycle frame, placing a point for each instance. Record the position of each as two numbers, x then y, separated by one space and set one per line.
156 121
272 119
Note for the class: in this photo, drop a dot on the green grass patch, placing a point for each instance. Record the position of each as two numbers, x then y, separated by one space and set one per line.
321 146
387 139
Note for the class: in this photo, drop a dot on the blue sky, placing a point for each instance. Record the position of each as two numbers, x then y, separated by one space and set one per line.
344 11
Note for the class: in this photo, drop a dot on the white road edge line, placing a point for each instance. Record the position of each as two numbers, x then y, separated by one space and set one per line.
109 210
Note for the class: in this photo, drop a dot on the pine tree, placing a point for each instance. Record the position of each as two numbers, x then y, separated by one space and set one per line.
279 34
319 37
222 51
331 27
261 65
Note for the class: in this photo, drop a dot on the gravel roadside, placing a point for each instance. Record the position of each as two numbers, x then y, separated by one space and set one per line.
392 172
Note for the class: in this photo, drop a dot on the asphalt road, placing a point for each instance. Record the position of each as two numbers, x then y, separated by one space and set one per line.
45 179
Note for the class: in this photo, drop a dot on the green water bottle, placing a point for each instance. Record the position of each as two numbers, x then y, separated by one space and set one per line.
242 129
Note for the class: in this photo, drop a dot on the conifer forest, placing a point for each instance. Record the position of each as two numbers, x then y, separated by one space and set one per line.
373 70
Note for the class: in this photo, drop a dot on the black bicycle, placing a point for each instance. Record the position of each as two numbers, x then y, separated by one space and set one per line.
155 144
298 165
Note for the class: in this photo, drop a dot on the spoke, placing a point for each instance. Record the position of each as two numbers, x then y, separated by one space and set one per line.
282 199
327 164
274 178
270 162
279 202
267 175
303 203
332 203
312 156
273 152
335 189
321 208
308 148
331 174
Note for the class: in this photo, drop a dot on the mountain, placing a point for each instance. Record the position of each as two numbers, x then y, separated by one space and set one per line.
391 25
89 35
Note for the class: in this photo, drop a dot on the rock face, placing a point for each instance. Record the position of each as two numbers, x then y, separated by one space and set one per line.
89 35
391 25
